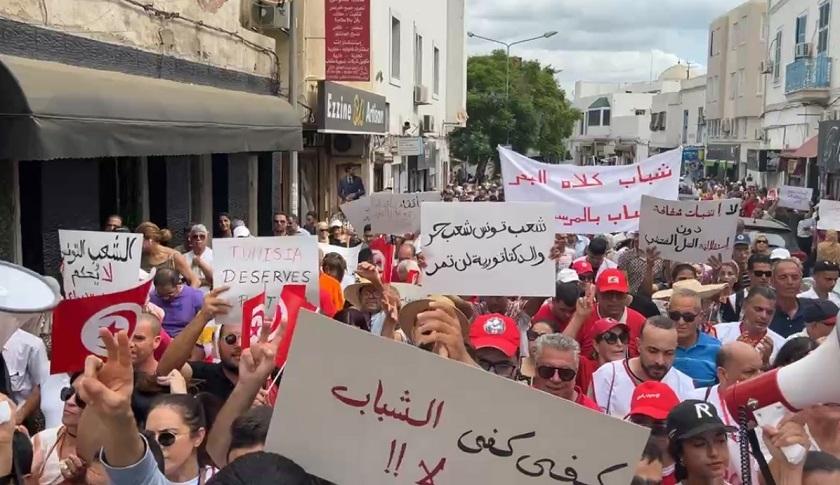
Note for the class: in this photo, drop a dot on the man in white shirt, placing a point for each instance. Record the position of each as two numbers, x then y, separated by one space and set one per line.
613 383
596 255
26 359
825 278
200 257
758 311
820 319
736 362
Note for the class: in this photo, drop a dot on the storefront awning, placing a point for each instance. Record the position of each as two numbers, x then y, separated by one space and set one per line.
50 110
807 150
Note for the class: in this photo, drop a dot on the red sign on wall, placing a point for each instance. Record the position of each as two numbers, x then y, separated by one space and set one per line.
347 55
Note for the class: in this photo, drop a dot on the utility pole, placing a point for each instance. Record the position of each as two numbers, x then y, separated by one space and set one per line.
294 181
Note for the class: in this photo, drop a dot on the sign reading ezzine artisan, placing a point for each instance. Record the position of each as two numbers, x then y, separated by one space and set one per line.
342 109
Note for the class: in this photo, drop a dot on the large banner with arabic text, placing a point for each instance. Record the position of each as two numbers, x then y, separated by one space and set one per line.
689 231
96 263
488 248
415 417
591 199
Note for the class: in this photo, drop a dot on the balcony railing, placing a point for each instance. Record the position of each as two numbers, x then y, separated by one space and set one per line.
808 73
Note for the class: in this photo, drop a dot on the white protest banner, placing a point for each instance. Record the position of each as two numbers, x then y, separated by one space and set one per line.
351 257
689 231
409 292
96 263
798 198
398 213
358 213
407 419
488 248
829 218
251 265
591 199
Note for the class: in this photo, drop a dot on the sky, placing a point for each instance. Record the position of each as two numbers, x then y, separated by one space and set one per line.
599 40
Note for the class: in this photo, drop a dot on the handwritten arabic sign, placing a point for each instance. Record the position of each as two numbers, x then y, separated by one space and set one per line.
96 263
351 257
398 213
358 213
252 265
689 231
829 218
347 27
798 198
591 199
488 248
400 423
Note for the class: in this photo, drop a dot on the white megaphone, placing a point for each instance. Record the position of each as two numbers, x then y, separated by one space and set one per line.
24 294
809 381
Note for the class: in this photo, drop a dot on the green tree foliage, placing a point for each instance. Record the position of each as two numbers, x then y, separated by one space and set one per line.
536 116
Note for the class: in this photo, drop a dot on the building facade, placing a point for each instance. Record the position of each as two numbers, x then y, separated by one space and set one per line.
677 118
735 91
418 74
168 111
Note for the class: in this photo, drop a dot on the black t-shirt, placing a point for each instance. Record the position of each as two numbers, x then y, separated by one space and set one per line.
212 379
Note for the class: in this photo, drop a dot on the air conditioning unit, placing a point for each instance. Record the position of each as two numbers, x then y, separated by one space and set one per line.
765 66
421 95
428 124
347 146
803 50
725 125
264 16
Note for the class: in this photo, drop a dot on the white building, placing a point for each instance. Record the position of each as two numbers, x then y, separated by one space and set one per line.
616 124
676 118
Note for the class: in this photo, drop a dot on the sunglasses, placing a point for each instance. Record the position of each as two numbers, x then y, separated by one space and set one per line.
198 236
165 438
231 339
67 393
763 274
686 317
761 241
611 338
532 335
498 368
548 372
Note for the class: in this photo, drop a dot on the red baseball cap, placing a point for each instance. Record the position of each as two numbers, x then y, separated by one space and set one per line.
495 331
582 267
653 399
612 279
604 325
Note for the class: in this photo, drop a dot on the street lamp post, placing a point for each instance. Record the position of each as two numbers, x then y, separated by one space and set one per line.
508 45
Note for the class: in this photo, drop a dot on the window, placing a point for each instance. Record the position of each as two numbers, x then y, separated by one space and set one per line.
685 127
822 27
418 60
742 31
700 121
760 89
735 38
437 71
740 87
598 113
712 43
777 57
395 48
801 24
606 117
732 85
593 117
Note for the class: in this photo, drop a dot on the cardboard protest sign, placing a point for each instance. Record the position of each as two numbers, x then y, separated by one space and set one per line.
591 199
798 198
409 292
351 257
407 419
398 213
358 213
252 265
689 231
96 263
829 215
488 248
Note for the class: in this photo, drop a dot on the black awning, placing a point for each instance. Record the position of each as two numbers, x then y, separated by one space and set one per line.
50 110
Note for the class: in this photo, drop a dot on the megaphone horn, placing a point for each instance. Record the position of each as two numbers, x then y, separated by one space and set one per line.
24 294
809 381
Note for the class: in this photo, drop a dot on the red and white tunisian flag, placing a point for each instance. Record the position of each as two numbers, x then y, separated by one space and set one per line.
253 316
76 325
292 299
592 199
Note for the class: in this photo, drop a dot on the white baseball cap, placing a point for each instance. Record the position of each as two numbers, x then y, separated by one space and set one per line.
567 275
779 253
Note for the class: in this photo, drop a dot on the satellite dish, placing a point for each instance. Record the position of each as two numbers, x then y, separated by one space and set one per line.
24 294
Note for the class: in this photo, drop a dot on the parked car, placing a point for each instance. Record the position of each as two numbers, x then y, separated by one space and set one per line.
779 235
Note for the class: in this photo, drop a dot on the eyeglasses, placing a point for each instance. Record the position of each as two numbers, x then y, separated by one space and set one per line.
763 241
166 438
67 393
198 236
498 368
763 274
548 372
611 338
532 335
686 317
231 339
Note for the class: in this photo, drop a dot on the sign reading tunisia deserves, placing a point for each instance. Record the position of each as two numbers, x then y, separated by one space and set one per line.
591 199
408 420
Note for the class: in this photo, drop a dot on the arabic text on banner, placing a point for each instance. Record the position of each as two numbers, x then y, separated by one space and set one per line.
96 263
358 213
399 423
252 265
798 198
591 199
398 213
829 218
689 231
488 248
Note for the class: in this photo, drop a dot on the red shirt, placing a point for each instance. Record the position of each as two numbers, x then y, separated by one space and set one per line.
544 314
586 367
165 340
634 321
583 400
